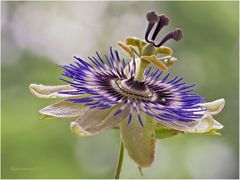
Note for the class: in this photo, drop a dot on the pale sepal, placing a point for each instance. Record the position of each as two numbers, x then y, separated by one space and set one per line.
43 91
139 141
214 107
94 121
203 125
206 124
64 109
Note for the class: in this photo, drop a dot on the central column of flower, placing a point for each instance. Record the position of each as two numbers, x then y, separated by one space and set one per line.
147 50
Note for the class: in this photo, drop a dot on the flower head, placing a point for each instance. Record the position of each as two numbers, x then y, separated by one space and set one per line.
113 83
107 92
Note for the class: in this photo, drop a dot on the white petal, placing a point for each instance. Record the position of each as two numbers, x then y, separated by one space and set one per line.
139 141
94 121
214 107
205 124
64 109
217 125
43 91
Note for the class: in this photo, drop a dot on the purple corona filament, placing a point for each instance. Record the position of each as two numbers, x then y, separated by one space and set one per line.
109 81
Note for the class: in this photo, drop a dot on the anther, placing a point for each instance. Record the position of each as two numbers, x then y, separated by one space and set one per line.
162 21
176 35
152 18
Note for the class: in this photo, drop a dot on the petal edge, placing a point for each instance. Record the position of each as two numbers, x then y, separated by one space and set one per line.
94 121
43 91
64 109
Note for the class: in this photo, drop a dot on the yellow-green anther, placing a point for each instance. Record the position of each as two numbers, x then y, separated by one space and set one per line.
170 61
162 63
164 50
126 48
156 61
132 41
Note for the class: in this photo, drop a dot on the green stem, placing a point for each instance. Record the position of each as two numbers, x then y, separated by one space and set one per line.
120 160
141 69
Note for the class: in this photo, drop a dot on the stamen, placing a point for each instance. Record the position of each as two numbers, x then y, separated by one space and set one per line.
152 18
163 21
176 35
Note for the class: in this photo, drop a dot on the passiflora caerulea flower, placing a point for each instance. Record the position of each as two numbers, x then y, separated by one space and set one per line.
136 96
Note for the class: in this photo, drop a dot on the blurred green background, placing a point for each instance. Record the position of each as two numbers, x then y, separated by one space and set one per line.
38 36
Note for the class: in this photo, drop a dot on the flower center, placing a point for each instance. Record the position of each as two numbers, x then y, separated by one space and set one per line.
132 89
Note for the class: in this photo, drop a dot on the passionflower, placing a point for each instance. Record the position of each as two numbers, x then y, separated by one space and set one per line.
135 96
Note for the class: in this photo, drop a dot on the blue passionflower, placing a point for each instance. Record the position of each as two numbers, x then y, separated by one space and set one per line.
107 92
105 95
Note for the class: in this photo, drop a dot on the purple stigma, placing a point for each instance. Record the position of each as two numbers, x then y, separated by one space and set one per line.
163 21
152 18
176 35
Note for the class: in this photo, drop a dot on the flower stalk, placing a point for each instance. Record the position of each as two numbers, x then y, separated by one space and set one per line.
120 161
